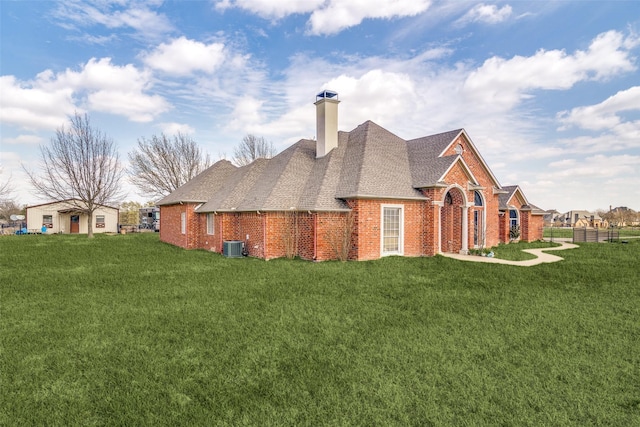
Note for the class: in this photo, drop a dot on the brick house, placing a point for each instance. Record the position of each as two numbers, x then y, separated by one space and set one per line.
359 195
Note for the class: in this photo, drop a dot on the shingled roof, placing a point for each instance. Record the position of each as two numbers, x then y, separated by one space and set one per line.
201 187
369 162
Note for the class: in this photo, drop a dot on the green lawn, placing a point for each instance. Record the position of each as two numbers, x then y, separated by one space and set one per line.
561 232
125 330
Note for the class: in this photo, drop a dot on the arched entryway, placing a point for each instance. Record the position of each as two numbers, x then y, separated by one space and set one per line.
453 222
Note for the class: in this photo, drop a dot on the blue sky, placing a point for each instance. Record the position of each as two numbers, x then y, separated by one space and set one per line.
549 91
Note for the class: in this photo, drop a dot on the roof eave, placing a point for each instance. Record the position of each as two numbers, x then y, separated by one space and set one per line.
181 202
438 184
377 196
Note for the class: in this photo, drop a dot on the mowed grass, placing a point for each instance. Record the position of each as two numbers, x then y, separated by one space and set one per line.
126 330
561 232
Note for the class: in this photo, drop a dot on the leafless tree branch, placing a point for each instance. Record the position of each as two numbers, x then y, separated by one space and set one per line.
252 148
161 164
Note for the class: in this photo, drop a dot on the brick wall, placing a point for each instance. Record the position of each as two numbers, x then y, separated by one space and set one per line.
170 225
367 236
536 224
491 201
321 235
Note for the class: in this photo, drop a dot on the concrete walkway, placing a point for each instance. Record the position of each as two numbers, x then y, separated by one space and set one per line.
542 256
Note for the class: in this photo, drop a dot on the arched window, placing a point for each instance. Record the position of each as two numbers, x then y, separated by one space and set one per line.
478 220
513 218
477 198
514 224
448 200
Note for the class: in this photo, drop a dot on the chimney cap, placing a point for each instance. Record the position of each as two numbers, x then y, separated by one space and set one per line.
327 94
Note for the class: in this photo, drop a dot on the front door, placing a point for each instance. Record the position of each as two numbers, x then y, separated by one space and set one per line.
75 224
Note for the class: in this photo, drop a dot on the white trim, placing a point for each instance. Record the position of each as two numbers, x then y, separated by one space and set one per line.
400 250
459 187
183 223
517 190
484 219
475 150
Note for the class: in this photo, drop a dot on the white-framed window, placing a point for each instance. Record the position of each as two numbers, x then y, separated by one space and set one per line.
514 221
478 220
514 224
210 226
183 222
100 221
392 233
47 221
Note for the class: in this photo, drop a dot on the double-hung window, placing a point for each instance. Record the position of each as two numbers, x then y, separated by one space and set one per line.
392 230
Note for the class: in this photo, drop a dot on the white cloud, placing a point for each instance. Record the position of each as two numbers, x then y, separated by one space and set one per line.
338 15
380 96
596 167
23 140
31 106
488 14
330 16
183 57
173 128
136 106
100 74
74 14
506 82
605 115
246 113
46 101
270 8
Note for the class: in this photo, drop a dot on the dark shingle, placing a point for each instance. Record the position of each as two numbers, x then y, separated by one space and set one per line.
203 186
369 162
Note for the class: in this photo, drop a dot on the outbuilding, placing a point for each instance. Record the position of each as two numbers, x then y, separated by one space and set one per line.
68 217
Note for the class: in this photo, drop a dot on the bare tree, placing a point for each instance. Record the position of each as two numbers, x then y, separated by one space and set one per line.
129 213
5 188
161 164
81 167
9 207
252 148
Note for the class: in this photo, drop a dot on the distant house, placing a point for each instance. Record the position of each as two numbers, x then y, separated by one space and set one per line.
66 217
362 195
622 216
550 217
580 218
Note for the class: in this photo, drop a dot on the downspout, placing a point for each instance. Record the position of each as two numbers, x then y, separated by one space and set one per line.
315 236
264 236
221 246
